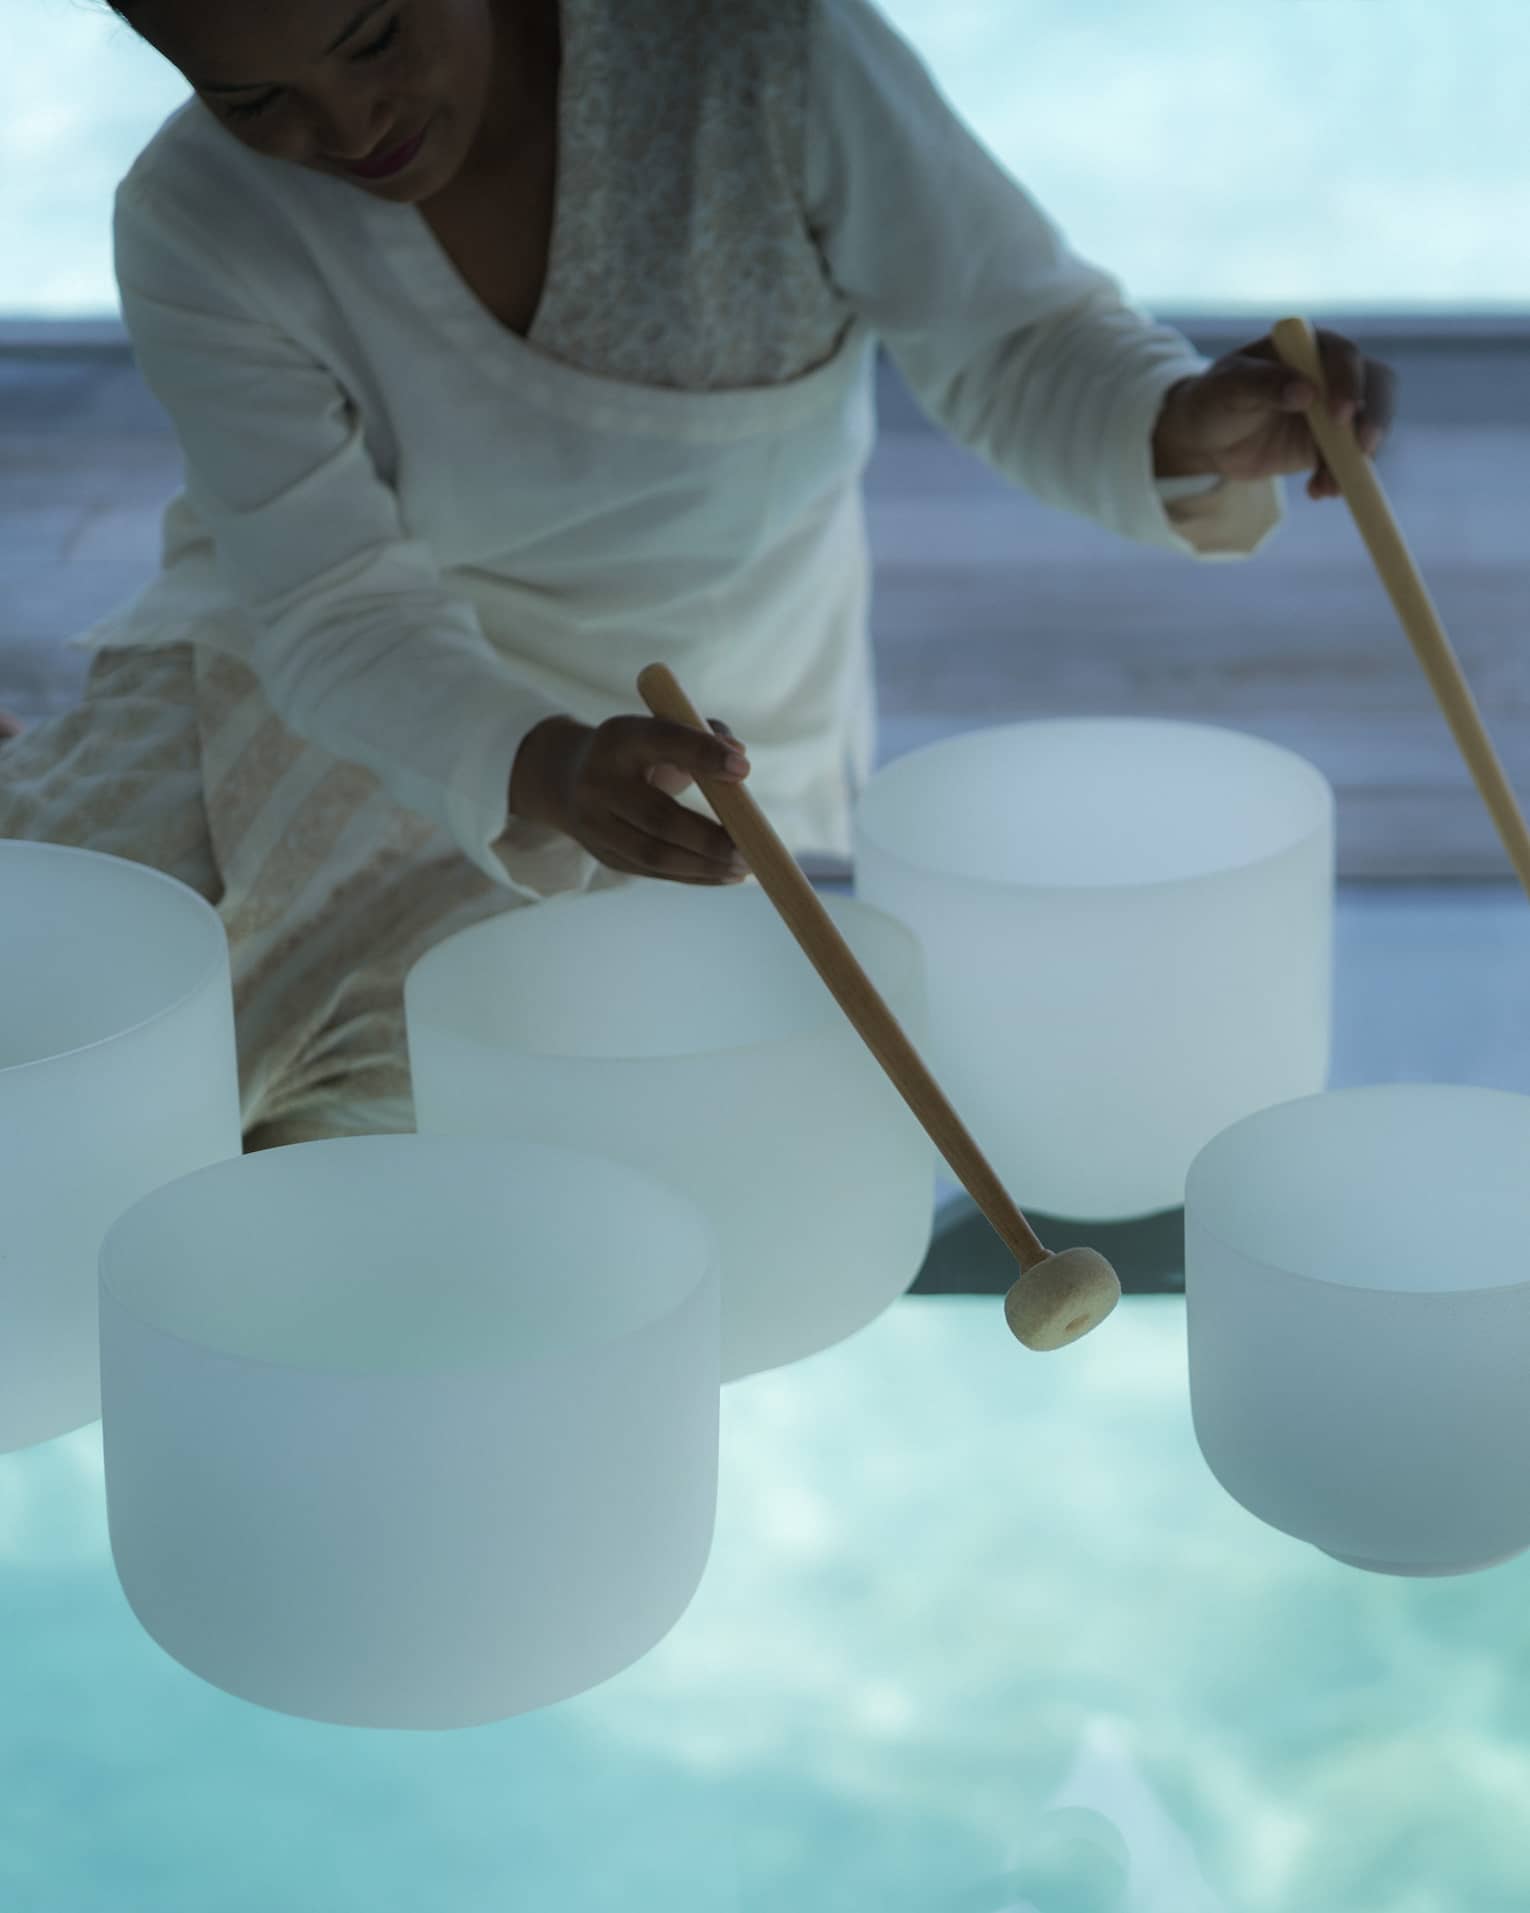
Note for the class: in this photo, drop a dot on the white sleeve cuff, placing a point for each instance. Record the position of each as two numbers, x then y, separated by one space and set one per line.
1172 489
532 861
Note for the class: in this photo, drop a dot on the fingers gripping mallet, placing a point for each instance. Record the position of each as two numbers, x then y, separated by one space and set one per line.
1058 1298
1356 478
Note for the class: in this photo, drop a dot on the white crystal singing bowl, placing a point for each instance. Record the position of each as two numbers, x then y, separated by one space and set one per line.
682 1029
1128 930
117 1073
408 1431
1357 1292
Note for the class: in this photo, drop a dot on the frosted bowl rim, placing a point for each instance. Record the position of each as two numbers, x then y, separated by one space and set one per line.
1474 1092
1311 774
833 1018
709 1273
186 896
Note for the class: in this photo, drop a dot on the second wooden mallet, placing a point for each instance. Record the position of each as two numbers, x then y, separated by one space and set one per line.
1297 345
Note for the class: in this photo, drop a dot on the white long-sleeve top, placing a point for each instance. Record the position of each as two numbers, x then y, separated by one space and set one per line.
426 535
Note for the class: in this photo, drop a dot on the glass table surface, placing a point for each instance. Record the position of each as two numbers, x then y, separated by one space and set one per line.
980 1633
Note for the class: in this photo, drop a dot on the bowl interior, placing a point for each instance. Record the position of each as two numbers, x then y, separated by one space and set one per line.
1408 1188
1079 803
650 970
92 946
389 1254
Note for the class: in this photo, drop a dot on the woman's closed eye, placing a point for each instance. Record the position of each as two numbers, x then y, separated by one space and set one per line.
384 40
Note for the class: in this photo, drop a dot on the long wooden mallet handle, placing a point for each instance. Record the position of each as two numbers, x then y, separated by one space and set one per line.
1356 477
1067 1296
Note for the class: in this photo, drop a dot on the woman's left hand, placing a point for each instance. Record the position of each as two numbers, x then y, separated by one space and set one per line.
1243 417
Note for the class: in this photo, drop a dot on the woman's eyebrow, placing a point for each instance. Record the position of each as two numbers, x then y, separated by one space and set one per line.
249 86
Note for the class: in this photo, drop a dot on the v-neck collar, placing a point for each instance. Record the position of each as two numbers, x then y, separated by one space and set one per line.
405 236
454 291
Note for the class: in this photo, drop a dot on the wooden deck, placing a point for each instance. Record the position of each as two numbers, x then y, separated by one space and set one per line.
989 607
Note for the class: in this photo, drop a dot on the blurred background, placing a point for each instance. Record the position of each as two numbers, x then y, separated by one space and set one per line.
1366 154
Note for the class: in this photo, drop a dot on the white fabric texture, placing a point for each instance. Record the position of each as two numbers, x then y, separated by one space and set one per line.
424 534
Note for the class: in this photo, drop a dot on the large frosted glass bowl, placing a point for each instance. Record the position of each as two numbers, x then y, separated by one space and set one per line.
409 1431
1128 925
1357 1290
117 1073
682 1030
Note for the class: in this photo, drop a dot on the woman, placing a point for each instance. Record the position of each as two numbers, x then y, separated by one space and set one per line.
512 345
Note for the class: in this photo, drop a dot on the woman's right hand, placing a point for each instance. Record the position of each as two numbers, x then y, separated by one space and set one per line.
612 788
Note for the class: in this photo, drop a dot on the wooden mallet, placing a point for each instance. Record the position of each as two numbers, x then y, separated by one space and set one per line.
1058 1298
1356 478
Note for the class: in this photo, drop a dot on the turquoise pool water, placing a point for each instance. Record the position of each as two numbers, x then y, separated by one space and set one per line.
1261 153
980 1634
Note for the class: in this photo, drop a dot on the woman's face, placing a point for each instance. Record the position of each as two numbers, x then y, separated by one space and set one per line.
328 84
